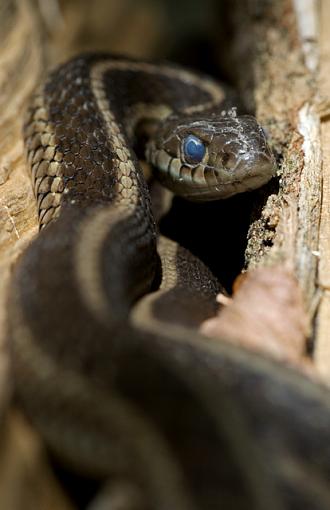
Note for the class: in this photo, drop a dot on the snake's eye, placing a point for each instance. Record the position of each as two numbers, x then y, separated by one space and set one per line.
193 149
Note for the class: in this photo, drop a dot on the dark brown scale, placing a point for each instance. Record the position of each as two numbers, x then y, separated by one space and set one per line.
74 115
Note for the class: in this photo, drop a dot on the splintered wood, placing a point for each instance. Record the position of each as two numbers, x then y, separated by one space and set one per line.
20 68
322 341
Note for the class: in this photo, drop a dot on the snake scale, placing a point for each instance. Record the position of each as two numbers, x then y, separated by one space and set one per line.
104 313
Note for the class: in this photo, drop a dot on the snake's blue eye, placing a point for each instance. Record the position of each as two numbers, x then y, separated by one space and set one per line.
193 149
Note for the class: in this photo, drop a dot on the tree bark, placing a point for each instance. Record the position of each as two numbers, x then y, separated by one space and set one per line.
322 337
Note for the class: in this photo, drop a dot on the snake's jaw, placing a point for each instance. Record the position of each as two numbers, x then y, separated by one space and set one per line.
233 151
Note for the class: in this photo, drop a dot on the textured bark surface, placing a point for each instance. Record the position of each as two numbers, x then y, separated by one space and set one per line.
275 81
274 63
20 68
322 341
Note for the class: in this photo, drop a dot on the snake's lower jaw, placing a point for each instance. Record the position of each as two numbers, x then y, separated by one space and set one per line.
259 173
225 184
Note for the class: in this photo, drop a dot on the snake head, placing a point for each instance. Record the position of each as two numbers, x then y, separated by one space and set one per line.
209 158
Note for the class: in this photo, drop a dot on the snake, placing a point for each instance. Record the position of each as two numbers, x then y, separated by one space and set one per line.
103 312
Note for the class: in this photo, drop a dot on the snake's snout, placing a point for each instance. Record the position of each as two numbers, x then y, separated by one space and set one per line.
212 158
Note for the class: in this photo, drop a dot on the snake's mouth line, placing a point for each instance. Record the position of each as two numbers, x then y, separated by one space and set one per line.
250 183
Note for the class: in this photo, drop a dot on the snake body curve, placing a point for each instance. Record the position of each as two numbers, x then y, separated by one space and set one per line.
107 361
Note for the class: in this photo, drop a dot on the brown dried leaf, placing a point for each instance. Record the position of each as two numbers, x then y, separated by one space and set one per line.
266 314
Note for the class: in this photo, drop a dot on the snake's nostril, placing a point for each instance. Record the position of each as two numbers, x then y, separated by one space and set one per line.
228 160
224 159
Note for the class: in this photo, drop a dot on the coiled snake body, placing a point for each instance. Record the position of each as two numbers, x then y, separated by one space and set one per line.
107 361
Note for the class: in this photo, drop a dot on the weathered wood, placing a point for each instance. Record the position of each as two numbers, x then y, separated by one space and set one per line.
283 96
322 341
274 61
20 68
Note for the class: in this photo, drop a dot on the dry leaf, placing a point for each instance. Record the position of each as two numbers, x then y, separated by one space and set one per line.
266 314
